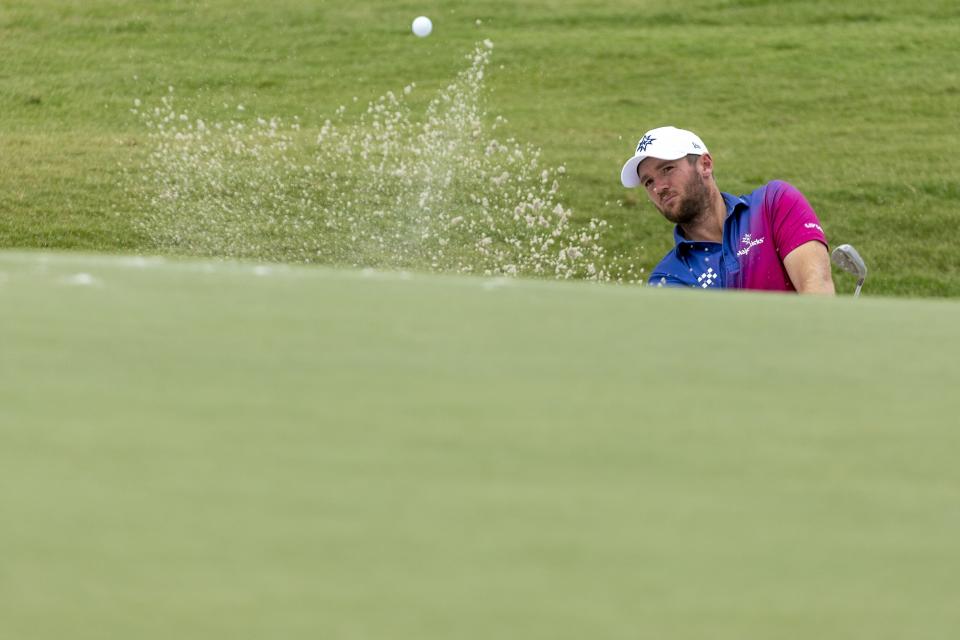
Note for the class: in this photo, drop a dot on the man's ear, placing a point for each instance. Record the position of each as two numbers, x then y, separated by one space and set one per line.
706 165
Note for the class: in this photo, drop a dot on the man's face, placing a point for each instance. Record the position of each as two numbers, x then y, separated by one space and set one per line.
676 188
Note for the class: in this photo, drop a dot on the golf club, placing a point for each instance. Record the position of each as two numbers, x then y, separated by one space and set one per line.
847 258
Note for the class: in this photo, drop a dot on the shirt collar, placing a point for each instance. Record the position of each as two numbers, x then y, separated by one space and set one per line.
732 203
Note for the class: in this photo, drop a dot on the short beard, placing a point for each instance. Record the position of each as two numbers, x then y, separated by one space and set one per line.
693 205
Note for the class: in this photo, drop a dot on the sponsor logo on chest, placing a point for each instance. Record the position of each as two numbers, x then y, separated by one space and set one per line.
707 278
748 242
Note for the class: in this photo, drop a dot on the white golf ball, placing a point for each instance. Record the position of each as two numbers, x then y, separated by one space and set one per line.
422 26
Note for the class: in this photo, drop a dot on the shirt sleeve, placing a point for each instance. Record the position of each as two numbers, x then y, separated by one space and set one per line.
793 220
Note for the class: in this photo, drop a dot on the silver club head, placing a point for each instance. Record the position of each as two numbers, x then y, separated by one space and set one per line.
847 258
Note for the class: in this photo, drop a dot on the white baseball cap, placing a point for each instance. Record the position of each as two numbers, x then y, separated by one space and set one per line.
663 143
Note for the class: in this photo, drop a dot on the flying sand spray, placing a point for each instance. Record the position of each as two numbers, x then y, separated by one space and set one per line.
390 189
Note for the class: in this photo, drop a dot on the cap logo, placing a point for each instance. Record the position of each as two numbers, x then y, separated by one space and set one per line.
696 146
645 142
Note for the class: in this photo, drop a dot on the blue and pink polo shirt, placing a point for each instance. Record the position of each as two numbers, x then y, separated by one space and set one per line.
759 231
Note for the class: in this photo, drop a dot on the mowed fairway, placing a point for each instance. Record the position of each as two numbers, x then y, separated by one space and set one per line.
211 450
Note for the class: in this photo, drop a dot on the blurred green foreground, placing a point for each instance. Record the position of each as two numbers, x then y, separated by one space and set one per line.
212 450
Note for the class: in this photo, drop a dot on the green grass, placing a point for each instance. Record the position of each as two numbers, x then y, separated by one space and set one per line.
854 104
227 450
210 450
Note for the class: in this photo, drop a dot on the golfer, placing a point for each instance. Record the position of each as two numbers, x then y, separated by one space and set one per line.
770 239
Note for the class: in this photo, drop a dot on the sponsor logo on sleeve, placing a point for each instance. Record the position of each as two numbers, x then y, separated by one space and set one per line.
813 225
